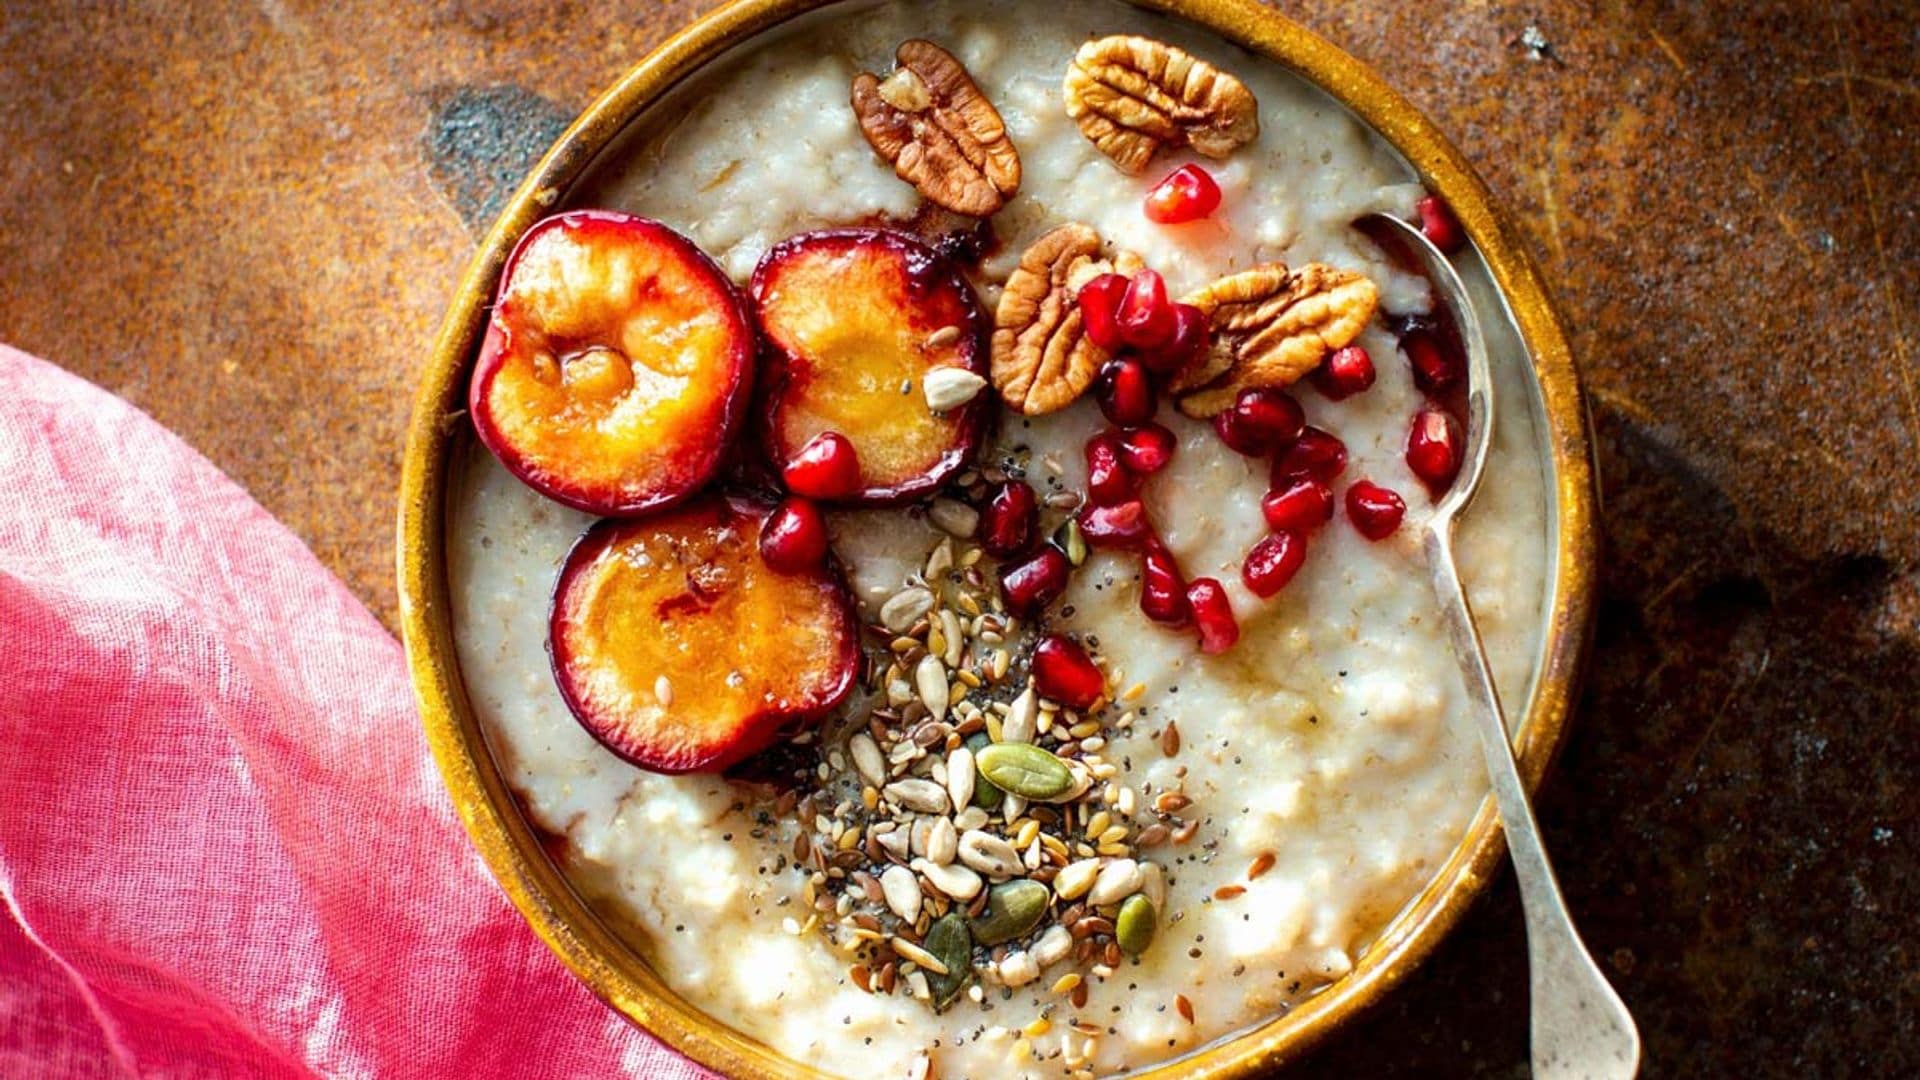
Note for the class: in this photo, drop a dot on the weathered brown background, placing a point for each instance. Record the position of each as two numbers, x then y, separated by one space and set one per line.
247 219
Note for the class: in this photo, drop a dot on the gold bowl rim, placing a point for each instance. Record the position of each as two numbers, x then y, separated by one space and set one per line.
508 842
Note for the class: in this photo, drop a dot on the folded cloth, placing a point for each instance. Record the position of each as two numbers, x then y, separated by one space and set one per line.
224 850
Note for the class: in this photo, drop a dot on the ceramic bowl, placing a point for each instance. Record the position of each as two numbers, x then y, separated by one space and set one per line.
513 848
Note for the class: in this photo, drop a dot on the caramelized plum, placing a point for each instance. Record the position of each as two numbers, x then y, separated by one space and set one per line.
616 367
854 320
678 647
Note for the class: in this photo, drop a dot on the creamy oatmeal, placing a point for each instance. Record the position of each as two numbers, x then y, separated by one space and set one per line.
1324 770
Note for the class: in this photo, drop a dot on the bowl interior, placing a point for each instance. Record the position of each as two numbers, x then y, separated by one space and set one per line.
1538 388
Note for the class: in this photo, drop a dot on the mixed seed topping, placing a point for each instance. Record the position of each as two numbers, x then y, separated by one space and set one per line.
963 832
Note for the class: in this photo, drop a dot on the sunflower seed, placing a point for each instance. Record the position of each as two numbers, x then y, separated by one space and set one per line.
948 388
868 759
896 843
914 793
989 854
905 608
1118 880
907 950
1019 968
953 880
930 678
1018 727
943 841
940 561
902 891
954 517
956 639
1075 878
960 775
1053 946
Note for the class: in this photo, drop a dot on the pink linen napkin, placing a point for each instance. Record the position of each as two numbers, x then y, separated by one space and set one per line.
224 850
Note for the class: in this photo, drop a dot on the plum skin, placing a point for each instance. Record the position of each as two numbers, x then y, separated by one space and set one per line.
927 270
497 343
754 733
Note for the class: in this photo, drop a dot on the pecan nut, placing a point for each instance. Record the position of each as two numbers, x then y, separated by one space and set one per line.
1269 326
1042 357
938 130
1134 96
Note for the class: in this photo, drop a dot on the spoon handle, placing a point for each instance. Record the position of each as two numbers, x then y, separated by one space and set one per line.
1581 1029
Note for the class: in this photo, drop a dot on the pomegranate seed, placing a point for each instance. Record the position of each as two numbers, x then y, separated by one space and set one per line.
825 468
1188 344
1374 510
794 537
1212 615
1125 392
1439 224
1145 450
1315 453
1434 369
1009 520
1163 591
1273 562
1118 526
1063 671
1260 421
1302 507
1099 305
1031 585
1108 481
1189 193
1435 448
1346 373
1146 317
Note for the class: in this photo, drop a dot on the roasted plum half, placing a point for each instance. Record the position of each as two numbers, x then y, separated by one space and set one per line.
854 323
679 648
617 365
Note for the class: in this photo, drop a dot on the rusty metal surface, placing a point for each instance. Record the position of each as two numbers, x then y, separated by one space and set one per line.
248 219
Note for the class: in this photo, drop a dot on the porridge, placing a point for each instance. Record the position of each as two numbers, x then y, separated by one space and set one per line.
1120 716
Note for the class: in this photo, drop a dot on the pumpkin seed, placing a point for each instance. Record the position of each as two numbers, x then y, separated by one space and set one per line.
1013 908
1134 926
1025 769
986 794
950 942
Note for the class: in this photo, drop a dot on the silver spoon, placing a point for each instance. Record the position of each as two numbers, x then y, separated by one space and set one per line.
1580 1027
